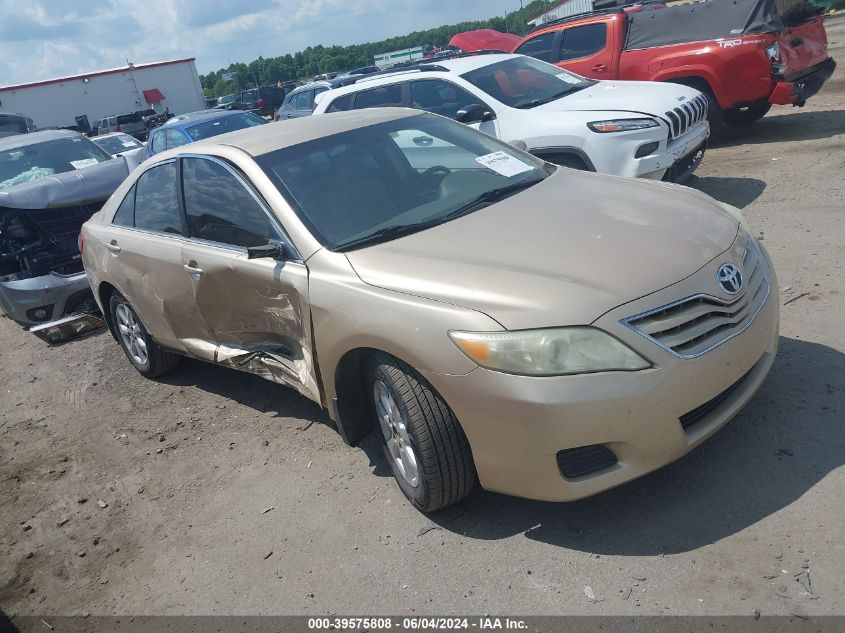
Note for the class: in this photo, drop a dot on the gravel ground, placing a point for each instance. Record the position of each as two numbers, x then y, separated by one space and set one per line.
214 492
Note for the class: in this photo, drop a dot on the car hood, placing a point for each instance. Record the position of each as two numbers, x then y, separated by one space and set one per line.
81 186
563 252
645 97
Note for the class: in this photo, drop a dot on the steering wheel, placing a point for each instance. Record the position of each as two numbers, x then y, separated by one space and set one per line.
429 175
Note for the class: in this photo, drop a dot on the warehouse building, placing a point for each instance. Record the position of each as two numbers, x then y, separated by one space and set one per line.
62 102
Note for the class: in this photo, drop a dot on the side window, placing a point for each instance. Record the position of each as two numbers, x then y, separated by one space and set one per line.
317 91
174 138
382 97
302 100
341 104
156 200
440 97
583 41
539 47
220 209
158 142
125 214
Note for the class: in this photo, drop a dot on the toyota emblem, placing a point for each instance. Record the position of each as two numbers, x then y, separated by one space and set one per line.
729 278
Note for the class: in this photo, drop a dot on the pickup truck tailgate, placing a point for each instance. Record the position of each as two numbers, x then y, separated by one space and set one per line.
802 47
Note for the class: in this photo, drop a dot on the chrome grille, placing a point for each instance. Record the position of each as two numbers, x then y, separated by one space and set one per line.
693 326
685 116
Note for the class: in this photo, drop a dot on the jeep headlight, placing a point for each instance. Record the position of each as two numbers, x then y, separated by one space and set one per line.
621 125
549 352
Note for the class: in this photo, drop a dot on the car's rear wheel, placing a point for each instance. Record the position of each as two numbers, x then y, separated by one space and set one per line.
141 350
425 445
748 114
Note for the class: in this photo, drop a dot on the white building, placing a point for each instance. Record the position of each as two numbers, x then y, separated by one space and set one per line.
562 10
171 84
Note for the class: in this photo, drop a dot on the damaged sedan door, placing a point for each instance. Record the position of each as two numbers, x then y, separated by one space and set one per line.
248 281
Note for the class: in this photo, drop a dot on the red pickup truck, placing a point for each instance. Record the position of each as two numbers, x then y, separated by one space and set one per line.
744 55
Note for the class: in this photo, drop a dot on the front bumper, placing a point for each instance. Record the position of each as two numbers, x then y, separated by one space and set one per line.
798 90
57 294
680 158
517 425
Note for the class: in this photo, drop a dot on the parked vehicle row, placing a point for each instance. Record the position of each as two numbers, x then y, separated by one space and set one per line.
744 56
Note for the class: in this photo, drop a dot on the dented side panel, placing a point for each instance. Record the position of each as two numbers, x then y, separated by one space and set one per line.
257 310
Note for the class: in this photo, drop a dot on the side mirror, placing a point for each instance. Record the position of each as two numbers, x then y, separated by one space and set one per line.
474 113
273 251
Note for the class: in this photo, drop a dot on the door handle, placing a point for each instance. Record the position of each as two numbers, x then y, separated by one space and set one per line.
600 68
193 268
113 247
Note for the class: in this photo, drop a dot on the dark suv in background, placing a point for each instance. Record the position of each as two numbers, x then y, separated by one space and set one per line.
15 124
262 101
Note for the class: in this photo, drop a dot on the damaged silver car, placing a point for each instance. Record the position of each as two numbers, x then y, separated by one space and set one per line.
51 182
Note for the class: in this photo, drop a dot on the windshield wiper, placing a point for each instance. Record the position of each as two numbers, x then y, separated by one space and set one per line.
490 197
400 230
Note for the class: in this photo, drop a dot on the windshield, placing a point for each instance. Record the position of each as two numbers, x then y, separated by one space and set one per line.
221 126
31 162
117 144
524 82
377 183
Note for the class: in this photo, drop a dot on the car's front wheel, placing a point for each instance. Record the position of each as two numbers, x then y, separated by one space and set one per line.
141 350
423 441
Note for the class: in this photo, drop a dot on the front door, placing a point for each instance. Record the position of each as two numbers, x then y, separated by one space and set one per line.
257 309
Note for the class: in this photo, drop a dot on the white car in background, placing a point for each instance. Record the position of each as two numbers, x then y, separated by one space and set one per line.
118 144
627 128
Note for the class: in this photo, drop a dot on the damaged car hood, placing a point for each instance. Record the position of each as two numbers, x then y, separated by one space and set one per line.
551 255
91 184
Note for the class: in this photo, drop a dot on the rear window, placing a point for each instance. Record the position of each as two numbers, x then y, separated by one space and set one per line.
123 119
385 96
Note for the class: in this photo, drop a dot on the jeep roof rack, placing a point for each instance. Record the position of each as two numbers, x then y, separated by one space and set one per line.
425 65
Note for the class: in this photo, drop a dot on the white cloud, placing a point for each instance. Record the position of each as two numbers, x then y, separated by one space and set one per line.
49 38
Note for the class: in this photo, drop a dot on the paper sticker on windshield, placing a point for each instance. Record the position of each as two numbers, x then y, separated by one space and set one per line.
127 144
503 163
570 79
85 162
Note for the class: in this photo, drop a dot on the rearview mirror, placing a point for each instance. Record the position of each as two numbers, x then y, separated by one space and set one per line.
474 113
273 251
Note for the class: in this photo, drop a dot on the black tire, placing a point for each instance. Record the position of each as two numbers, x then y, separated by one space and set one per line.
158 362
446 471
747 115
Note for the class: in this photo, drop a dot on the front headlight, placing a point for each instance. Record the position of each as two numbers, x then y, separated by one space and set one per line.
549 352
621 125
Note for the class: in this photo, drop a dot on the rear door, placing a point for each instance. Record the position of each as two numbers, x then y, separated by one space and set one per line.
144 261
586 49
257 309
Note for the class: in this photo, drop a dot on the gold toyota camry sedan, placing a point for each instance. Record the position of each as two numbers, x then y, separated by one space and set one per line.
544 332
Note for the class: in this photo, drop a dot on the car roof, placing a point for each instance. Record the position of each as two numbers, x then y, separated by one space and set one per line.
310 86
264 139
457 66
111 134
22 140
199 117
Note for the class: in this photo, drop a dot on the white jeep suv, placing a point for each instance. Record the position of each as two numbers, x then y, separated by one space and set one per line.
627 128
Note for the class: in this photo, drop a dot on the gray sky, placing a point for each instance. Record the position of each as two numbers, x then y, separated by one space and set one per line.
41 39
